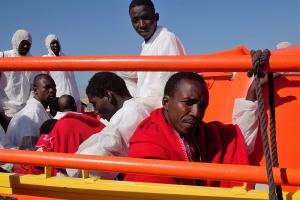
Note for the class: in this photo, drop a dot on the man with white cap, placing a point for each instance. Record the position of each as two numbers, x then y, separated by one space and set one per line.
15 86
65 80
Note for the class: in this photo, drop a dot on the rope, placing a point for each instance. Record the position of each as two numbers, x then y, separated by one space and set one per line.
257 63
273 130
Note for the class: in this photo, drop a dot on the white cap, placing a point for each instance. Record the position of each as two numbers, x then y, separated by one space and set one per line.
281 45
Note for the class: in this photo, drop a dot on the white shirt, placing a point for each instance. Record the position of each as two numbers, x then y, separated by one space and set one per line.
15 88
130 79
27 122
60 115
245 115
65 83
163 42
113 139
2 135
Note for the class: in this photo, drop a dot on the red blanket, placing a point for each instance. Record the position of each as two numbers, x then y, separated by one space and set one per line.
218 143
68 133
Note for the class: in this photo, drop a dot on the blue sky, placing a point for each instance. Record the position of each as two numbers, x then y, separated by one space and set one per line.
102 27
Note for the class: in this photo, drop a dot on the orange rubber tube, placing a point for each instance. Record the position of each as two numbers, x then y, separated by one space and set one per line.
253 174
216 63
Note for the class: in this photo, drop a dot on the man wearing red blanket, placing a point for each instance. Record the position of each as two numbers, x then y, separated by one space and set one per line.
177 132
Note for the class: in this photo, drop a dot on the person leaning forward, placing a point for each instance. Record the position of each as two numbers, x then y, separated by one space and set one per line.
177 132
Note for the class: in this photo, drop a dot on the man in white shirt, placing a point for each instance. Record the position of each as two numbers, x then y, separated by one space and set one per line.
65 80
15 87
27 122
111 99
157 41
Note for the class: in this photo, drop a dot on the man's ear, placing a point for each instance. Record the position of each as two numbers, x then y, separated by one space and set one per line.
108 94
34 89
157 16
165 102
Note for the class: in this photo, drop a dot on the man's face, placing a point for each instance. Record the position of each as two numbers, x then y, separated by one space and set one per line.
45 90
186 109
102 106
24 47
144 21
55 47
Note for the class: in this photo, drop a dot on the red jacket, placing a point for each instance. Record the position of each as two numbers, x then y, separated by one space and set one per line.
68 133
155 138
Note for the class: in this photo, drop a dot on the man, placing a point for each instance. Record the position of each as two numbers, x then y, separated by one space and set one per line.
15 87
65 80
112 101
157 41
66 103
27 122
177 131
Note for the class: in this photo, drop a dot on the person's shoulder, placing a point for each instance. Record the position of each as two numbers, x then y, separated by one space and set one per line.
133 108
148 130
220 125
8 53
166 33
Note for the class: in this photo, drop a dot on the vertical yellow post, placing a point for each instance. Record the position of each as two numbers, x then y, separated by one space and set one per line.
85 173
48 171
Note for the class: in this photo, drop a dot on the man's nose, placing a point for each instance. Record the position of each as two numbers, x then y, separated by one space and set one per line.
195 110
52 90
141 23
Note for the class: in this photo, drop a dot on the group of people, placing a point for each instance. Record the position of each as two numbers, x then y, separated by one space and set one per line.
152 115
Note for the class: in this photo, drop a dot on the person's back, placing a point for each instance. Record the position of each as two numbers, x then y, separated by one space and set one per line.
65 80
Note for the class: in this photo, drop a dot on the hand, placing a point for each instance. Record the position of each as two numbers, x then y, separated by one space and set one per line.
251 94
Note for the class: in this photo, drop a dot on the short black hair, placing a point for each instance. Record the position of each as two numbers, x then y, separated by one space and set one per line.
175 79
40 76
106 81
148 3
47 126
66 102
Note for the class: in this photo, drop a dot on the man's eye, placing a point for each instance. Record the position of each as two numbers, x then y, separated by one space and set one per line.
135 20
188 103
203 105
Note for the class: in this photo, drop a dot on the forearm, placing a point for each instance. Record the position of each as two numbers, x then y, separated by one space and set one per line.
245 115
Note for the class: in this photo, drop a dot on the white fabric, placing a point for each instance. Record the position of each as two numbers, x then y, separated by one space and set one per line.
113 139
27 122
17 38
15 87
65 80
2 135
245 115
59 115
282 45
163 42
130 79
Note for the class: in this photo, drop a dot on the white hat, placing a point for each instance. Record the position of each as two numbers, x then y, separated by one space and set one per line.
281 45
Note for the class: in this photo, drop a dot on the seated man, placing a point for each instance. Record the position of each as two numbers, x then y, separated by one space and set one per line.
177 131
66 103
27 122
113 102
